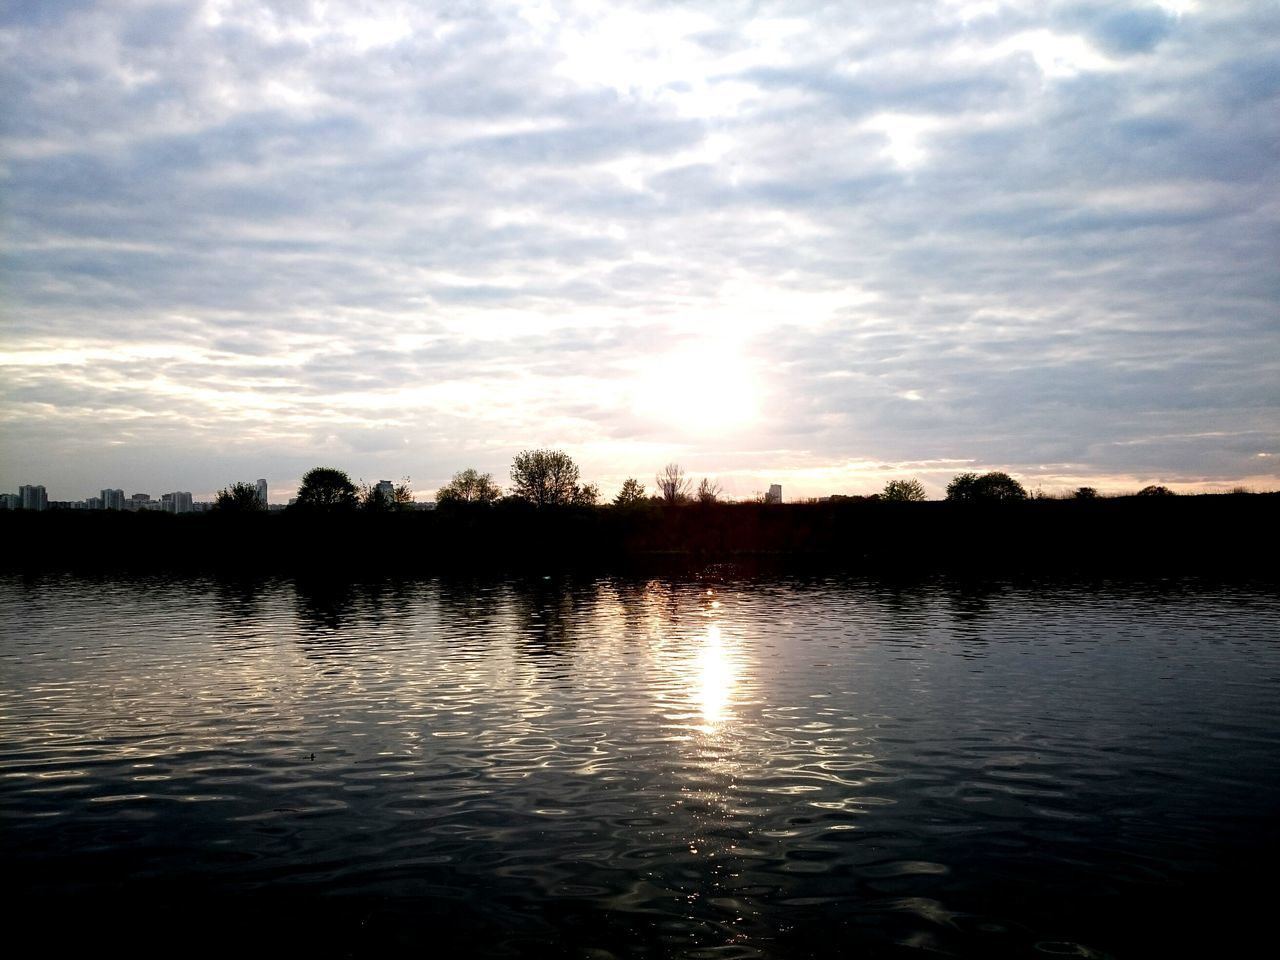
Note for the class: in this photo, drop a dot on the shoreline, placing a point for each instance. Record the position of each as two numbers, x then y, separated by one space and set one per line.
1209 534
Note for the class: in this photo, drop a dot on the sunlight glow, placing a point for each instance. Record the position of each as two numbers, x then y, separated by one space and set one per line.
704 387
717 674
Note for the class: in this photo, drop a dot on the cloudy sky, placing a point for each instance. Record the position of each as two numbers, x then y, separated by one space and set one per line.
820 244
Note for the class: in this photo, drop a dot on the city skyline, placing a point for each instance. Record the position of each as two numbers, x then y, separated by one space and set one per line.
819 246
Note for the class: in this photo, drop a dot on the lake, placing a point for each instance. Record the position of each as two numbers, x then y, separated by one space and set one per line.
703 767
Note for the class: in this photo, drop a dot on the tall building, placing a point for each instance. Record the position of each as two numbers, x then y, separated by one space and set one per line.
112 499
775 493
33 497
176 502
262 493
10 501
387 490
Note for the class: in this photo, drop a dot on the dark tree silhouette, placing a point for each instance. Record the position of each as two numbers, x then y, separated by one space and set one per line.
1155 490
903 490
1085 493
238 498
402 495
547 478
995 485
632 492
373 499
708 491
672 484
377 499
469 486
326 489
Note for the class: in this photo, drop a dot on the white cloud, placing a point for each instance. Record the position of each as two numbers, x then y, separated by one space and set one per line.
820 245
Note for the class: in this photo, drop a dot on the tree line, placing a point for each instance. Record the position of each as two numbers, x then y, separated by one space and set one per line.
550 478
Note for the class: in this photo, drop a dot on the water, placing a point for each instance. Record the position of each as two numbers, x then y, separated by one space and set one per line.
710 768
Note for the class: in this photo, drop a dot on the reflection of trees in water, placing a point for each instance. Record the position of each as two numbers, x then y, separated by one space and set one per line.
907 604
237 597
468 608
325 606
664 600
328 605
637 601
385 601
548 616
632 596
970 606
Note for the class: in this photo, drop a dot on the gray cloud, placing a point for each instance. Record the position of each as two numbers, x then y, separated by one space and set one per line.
1040 237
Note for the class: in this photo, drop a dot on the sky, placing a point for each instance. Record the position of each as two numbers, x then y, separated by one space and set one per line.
817 244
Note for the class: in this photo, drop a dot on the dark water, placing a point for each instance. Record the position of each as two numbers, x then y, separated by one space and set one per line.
632 768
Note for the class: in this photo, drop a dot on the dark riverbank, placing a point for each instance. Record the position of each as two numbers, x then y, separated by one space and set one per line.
1208 534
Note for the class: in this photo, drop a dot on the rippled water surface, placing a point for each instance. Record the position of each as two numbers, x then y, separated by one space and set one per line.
711 768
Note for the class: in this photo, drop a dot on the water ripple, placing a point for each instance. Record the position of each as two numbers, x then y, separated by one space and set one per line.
627 768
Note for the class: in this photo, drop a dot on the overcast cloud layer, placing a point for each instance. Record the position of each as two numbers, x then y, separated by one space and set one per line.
815 244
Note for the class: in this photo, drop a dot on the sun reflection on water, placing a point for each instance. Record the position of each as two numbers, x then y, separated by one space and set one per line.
717 675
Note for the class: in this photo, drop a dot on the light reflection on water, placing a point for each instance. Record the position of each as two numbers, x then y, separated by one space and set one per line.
717 672
652 767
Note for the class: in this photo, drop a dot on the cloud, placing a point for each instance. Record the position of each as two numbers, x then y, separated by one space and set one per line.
803 245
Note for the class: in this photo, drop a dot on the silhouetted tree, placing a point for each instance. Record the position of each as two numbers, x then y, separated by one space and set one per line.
402 495
632 492
377 499
469 486
547 478
672 485
995 485
962 487
587 495
326 489
903 490
998 485
1085 493
238 498
1155 490
708 491
373 499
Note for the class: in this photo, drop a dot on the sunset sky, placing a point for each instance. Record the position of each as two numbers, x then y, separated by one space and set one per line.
816 244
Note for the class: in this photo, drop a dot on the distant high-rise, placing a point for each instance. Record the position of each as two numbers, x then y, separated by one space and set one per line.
33 497
176 502
387 490
262 493
775 493
112 499
10 501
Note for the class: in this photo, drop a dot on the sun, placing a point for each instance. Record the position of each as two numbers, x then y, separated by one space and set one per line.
700 388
